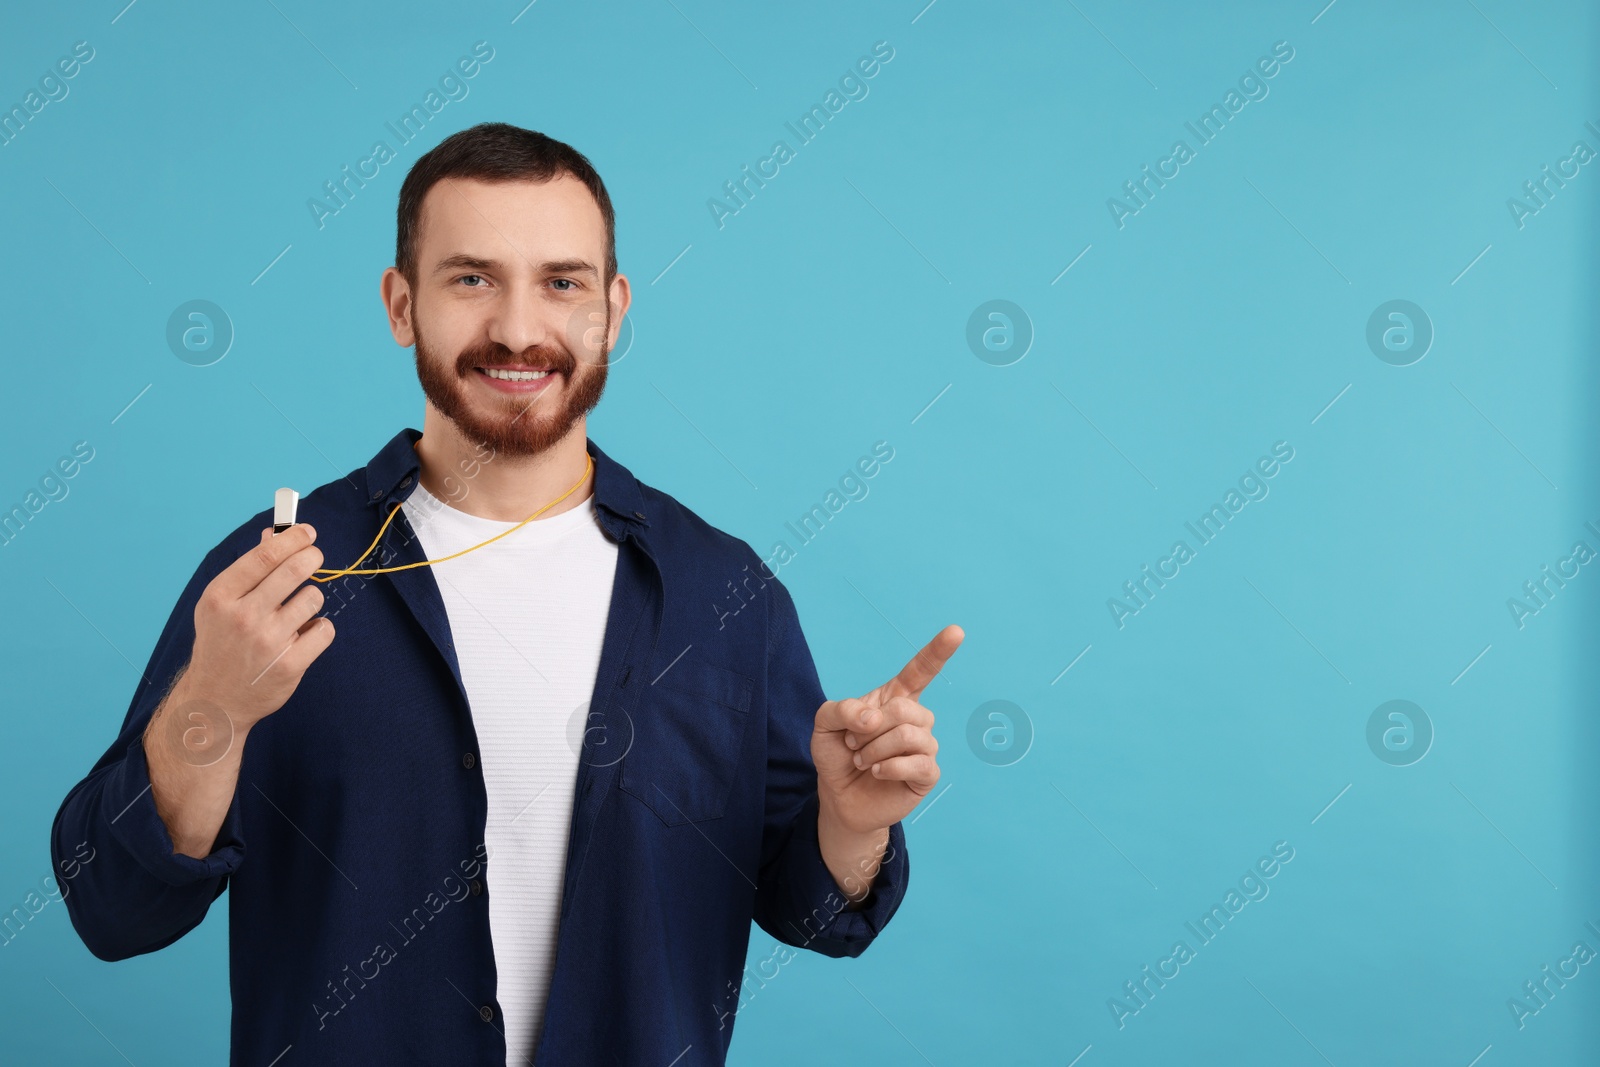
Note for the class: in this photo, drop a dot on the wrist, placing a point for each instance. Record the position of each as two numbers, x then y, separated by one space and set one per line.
831 821
200 727
851 856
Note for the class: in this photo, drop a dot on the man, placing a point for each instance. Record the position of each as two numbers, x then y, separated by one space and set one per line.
524 803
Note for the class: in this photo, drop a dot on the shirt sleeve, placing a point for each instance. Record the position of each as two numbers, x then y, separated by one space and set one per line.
126 890
797 900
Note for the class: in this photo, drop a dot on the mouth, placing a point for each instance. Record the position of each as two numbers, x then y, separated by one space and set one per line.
515 374
516 378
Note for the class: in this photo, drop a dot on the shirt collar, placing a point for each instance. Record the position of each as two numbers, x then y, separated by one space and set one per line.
392 475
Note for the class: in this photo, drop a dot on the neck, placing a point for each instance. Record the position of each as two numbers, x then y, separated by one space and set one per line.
478 481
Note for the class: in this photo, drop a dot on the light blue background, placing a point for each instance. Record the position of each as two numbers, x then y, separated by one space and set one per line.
827 315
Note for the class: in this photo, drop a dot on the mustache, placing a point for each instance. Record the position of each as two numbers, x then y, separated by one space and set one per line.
495 354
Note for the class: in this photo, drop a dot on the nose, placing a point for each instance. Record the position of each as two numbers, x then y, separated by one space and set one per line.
520 321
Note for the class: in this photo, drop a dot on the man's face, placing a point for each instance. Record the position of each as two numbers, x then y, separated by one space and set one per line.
509 315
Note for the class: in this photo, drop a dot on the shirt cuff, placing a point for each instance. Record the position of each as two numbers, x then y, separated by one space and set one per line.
823 923
128 804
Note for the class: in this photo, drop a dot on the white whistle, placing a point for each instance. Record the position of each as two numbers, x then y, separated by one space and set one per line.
284 503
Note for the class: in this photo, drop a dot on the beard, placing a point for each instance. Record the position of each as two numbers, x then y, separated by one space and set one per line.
512 425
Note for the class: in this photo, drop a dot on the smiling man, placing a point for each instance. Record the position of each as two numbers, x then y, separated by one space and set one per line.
524 804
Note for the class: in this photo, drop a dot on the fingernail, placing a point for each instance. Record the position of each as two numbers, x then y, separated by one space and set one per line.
857 758
865 715
850 739
876 768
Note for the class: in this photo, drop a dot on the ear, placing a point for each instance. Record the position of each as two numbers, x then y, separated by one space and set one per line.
620 297
395 292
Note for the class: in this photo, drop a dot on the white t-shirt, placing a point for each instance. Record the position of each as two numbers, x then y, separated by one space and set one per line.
528 617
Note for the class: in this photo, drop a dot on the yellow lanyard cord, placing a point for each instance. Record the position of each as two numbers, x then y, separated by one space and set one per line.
331 573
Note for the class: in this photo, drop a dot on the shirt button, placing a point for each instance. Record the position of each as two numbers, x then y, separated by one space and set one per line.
377 494
476 887
486 1013
405 481
469 761
638 514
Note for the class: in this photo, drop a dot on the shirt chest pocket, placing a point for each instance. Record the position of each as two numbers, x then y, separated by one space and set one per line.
688 733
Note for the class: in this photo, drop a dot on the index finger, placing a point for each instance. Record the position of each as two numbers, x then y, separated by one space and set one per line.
247 572
926 664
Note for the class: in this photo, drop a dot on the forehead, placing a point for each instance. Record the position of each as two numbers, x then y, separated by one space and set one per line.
517 218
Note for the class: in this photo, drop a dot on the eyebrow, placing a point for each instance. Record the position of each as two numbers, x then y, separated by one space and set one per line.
462 261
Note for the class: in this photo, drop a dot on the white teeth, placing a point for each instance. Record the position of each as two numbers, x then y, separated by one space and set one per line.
515 375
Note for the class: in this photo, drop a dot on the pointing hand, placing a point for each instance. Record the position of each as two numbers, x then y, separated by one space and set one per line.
875 754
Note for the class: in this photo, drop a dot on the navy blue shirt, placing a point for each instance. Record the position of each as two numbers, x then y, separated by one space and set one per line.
358 921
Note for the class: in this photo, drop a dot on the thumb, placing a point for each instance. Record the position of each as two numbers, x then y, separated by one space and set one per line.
840 715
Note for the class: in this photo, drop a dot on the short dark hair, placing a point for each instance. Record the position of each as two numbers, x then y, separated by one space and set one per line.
494 152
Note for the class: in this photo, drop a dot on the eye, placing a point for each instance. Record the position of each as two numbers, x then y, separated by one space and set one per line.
567 281
464 277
